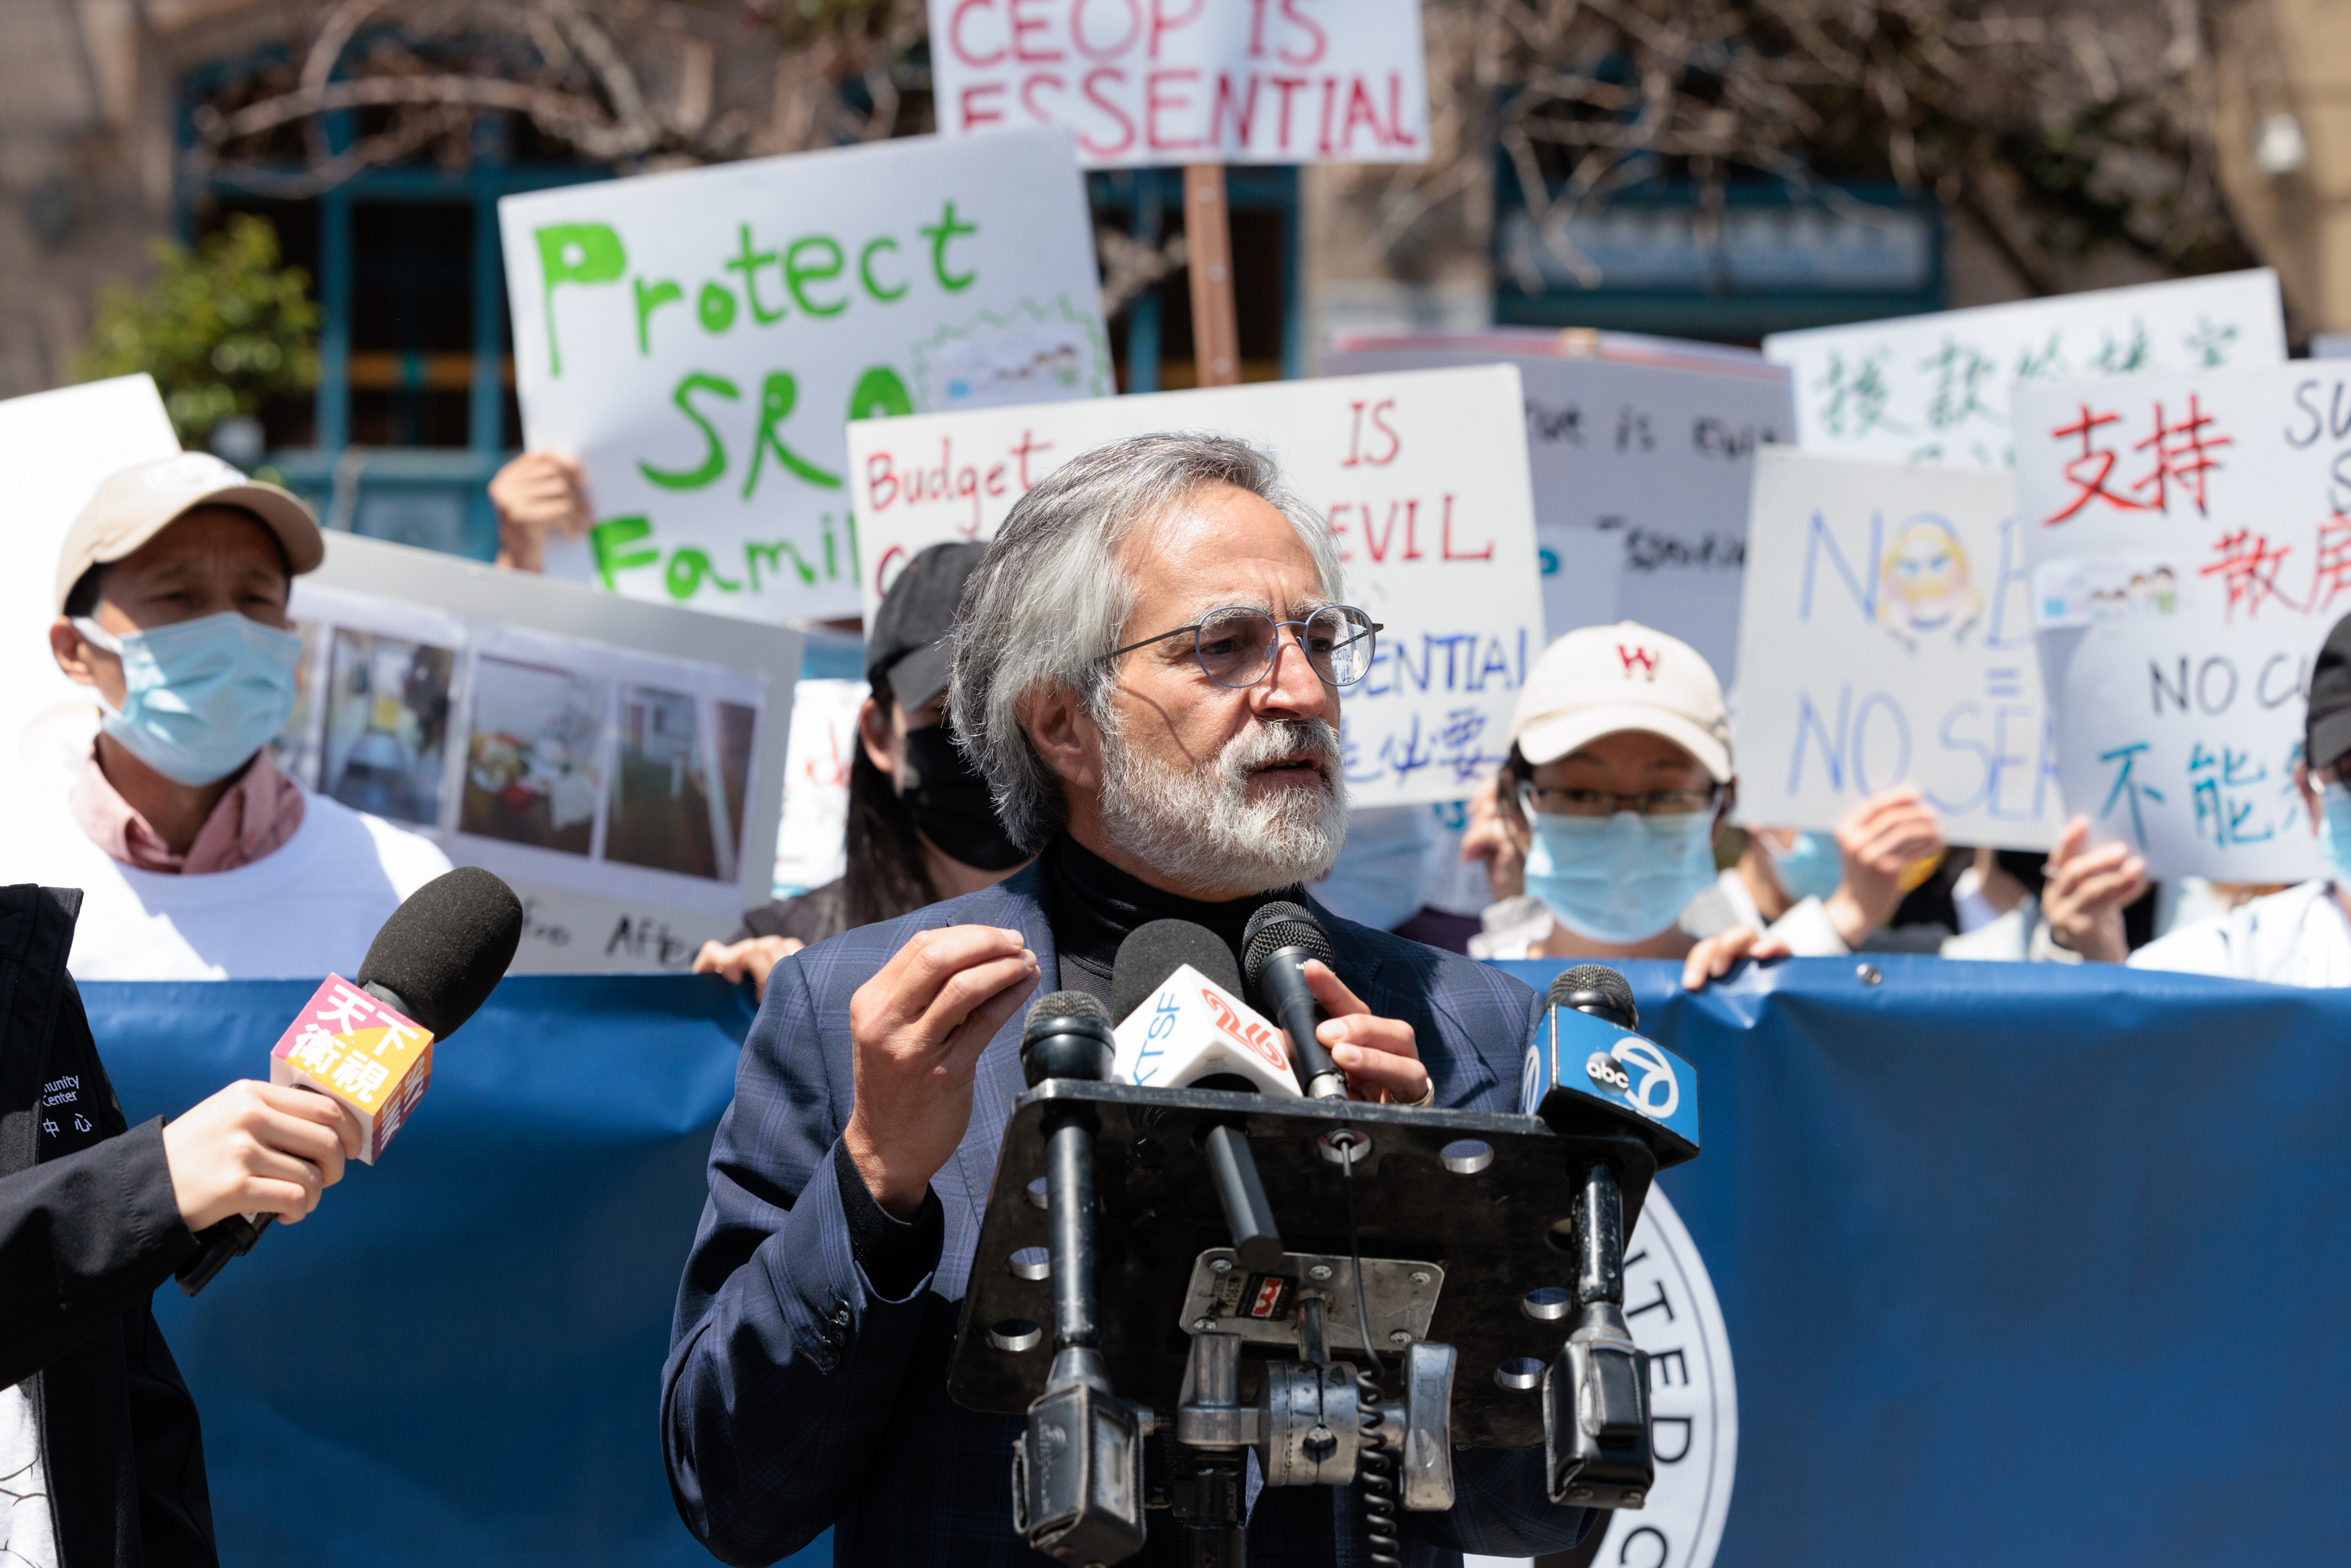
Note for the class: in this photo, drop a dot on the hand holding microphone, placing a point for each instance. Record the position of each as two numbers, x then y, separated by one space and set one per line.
1340 1046
258 1148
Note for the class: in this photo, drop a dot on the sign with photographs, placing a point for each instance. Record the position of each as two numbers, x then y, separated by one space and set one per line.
1305 81
1421 474
1888 640
2190 537
1941 388
1640 451
698 338
620 765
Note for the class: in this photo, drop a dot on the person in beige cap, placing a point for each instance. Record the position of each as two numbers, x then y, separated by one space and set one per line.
1618 785
198 858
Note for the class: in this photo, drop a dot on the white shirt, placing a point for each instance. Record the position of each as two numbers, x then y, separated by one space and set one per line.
309 907
28 1534
2298 937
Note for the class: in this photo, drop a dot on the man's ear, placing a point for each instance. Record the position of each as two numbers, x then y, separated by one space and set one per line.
66 645
1064 734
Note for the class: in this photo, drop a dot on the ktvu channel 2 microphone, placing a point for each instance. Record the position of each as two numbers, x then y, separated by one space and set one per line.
368 1043
1588 1072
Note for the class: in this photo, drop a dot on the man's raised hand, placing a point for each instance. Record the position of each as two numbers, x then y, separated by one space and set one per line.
916 1029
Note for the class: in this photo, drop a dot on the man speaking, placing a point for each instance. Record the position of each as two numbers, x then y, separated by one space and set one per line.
1148 667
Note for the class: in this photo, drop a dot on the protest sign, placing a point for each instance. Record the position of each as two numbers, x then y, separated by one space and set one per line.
1887 639
1304 81
698 338
55 447
2190 540
1939 388
811 844
1640 450
1421 474
619 764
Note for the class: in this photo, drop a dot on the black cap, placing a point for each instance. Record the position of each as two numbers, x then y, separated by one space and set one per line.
907 643
2326 733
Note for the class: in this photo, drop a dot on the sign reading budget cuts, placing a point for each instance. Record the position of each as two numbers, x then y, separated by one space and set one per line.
2190 538
1152 82
1887 639
1941 388
698 340
1422 475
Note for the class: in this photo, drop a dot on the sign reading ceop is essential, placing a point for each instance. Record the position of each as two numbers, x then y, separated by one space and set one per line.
1421 474
1146 82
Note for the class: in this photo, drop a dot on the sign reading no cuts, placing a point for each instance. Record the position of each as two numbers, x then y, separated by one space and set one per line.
1888 640
1421 474
2190 538
698 340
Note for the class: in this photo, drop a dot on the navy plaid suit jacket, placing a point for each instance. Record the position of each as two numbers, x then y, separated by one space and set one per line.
795 1397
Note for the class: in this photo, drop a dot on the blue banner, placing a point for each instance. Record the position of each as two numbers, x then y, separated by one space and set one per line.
2018 1264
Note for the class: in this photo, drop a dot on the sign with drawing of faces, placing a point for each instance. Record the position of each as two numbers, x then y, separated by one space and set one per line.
2190 542
1943 387
698 340
1421 475
1887 639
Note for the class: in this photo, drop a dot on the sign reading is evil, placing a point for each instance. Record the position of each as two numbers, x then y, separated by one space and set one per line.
1146 82
1422 475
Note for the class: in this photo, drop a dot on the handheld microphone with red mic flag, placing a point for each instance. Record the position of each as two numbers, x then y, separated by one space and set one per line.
1176 992
369 1044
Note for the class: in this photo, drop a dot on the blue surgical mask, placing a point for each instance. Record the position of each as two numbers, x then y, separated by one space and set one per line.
1386 868
1623 878
1809 868
201 697
2335 831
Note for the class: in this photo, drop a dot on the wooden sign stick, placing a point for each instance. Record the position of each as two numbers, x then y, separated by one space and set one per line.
1208 251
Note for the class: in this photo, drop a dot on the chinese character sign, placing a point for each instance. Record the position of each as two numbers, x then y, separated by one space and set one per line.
1942 387
700 338
1422 475
1640 473
1145 82
348 1045
1887 639
2190 542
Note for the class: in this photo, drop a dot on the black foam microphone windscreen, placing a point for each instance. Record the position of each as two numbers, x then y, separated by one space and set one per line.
1151 953
1588 984
1281 925
443 951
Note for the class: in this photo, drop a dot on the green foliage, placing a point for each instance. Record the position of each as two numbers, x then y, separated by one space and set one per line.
221 328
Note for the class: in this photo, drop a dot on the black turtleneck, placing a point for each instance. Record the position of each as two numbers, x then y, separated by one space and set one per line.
1094 906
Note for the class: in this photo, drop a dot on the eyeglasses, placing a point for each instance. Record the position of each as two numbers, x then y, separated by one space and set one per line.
1550 802
1236 646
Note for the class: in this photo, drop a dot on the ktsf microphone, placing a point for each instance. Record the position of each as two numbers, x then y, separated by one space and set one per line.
369 1044
1588 1072
1182 1023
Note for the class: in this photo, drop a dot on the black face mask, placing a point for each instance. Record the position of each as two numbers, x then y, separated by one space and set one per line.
949 803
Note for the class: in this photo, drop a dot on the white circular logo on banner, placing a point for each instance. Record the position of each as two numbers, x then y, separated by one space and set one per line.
1693 1406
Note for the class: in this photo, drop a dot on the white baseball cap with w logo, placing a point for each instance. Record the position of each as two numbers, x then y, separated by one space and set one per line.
1599 680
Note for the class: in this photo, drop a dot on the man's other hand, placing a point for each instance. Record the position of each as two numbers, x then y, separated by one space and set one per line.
916 1029
2085 891
537 495
753 956
258 1148
1379 1056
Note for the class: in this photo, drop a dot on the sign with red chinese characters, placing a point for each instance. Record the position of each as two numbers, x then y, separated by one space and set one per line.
1164 82
2190 542
346 1045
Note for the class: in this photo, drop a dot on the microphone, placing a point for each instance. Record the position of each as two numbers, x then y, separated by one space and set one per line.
1587 1070
1068 1035
1280 937
369 1044
1176 990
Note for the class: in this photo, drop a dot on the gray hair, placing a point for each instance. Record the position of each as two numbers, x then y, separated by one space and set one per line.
1046 601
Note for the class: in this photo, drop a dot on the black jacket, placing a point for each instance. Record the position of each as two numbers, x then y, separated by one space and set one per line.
88 1228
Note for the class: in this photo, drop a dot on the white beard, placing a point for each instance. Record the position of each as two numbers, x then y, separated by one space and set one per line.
1199 828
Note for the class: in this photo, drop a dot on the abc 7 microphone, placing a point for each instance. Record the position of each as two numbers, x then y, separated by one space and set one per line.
1587 1073
369 1044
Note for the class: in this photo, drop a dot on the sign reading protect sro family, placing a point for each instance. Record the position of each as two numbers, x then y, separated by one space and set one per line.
700 340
